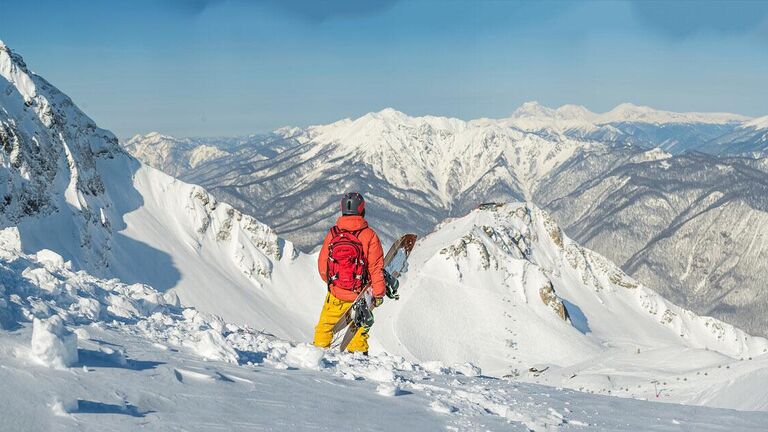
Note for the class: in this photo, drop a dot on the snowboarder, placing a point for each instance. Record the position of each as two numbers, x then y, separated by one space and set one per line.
351 259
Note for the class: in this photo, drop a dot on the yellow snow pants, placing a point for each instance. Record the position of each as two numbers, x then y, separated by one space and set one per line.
333 309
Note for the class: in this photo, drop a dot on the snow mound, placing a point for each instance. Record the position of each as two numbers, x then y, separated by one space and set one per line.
52 344
305 356
211 345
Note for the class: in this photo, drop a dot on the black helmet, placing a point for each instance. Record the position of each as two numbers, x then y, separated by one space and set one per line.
353 204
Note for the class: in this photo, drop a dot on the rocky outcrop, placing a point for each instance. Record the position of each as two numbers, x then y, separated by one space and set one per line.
548 296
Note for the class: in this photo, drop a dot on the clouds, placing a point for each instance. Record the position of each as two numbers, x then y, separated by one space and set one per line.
684 18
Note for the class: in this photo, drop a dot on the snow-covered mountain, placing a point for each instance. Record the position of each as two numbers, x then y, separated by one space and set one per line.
177 156
520 294
691 227
749 139
70 188
580 165
414 169
172 155
424 167
629 123
101 257
533 116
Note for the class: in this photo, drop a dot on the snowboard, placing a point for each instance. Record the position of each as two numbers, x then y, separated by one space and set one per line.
395 262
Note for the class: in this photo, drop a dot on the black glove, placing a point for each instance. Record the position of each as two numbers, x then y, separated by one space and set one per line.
392 285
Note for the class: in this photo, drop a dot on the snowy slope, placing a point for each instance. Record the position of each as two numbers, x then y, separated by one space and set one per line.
173 155
141 361
749 139
176 156
691 228
516 293
70 188
113 247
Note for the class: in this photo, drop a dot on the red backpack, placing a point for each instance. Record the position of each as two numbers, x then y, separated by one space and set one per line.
347 267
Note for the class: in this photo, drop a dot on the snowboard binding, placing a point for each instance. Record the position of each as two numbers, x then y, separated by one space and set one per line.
392 285
362 316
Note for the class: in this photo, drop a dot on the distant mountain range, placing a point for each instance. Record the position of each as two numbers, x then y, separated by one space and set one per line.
682 193
127 278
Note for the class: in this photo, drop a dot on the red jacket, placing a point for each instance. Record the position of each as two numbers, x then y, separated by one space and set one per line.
373 253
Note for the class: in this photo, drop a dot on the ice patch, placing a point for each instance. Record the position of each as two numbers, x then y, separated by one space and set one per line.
52 344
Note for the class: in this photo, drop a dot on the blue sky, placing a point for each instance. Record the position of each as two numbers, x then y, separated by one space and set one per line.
232 67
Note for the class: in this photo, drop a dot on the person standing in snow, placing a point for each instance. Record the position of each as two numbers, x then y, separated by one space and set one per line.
351 259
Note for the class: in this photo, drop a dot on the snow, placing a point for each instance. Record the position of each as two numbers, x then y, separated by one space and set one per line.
149 344
533 116
655 154
690 228
485 271
174 155
759 123
271 379
170 310
305 356
628 112
212 346
52 344
116 218
427 167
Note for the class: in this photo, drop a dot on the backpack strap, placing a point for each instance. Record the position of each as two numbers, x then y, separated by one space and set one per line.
365 277
329 280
